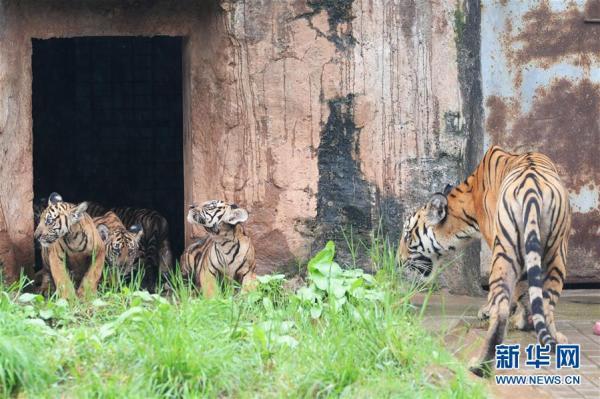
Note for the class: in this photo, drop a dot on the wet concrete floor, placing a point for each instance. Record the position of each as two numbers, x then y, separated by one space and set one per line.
455 318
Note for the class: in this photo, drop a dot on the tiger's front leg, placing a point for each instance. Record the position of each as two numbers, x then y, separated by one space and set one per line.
249 282
207 282
89 283
60 274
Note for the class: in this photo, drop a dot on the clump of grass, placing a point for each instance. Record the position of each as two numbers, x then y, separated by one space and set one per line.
130 343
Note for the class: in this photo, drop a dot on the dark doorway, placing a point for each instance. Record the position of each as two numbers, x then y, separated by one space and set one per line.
107 123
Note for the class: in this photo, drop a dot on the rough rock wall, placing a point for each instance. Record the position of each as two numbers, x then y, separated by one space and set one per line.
356 110
316 115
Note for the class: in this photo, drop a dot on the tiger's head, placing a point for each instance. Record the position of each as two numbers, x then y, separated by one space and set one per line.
57 219
216 215
122 246
429 234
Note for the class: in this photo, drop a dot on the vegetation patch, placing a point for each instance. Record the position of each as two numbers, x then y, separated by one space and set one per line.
343 333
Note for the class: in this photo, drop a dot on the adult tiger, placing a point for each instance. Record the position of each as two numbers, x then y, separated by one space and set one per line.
519 205
122 245
226 252
71 246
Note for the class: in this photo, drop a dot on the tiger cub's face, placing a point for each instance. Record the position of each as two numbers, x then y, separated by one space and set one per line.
216 215
423 242
122 246
57 219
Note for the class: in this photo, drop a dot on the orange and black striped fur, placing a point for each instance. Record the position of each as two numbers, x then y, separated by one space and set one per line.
71 247
519 205
227 252
122 246
154 246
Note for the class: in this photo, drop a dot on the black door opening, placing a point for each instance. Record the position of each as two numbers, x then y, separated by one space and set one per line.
107 123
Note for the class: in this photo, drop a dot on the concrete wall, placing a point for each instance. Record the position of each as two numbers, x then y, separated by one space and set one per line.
315 115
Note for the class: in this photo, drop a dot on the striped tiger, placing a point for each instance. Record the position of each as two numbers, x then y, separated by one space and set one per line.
71 247
227 252
519 205
122 246
155 247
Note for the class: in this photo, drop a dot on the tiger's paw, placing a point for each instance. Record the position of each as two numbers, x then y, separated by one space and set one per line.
561 338
483 313
483 370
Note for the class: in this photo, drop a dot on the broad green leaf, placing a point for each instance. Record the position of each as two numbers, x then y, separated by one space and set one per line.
267 278
27 297
144 296
307 294
338 288
46 314
323 256
328 269
316 310
268 304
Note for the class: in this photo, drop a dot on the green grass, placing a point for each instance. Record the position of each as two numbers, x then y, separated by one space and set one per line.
267 344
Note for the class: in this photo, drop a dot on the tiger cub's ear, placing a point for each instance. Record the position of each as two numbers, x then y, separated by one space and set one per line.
437 208
103 230
137 230
77 212
235 216
54 199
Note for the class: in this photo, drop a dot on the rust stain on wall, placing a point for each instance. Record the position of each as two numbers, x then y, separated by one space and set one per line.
586 252
565 120
496 121
548 36
564 123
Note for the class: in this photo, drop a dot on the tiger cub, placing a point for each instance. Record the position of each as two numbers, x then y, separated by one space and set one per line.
154 245
519 205
122 245
71 247
227 252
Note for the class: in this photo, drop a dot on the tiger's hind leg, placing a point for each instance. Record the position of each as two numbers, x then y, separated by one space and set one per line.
520 318
502 283
553 285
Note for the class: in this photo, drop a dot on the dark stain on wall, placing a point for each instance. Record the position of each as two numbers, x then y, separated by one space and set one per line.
339 12
469 76
344 199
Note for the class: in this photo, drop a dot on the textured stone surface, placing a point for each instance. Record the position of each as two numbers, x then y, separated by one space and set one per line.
315 115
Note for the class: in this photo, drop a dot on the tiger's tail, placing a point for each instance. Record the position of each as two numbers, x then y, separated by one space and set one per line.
533 263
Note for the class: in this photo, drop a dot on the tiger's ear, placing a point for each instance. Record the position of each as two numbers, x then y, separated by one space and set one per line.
103 230
77 213
54 199
437 208
137 230
235 216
